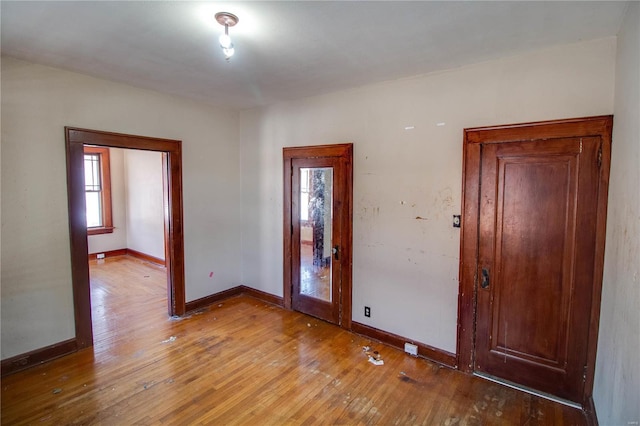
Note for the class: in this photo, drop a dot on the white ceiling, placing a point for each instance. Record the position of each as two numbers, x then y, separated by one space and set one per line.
286 49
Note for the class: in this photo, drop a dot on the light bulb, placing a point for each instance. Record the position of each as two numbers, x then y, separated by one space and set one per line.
225 41
228 51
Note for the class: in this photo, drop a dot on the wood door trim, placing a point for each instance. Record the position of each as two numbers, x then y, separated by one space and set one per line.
75 139
319 151
469 239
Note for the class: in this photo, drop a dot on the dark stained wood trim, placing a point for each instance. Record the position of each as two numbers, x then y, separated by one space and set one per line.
75 140
145 257
203 302
287 230
347 242
320 151
175 261
425 351
109 253
584 126
468 256
600 126
598 270
130 252
38 356
261 295
167 229
590 412
101 230
121 140
78 242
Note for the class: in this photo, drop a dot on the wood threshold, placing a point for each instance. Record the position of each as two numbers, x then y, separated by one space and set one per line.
37 356
424 351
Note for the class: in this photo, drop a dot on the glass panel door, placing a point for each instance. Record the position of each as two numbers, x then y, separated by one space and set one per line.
316 218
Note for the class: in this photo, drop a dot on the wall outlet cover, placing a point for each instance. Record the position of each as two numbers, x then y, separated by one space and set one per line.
411 349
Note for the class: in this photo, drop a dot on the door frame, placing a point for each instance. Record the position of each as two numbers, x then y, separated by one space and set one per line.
469 237
318 151
75 139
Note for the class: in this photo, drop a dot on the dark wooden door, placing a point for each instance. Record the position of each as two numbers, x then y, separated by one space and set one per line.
318 244
536 258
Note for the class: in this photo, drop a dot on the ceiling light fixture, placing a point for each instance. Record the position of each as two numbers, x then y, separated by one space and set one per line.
227 20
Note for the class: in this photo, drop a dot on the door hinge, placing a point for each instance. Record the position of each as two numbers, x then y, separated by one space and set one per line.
584 373
600 157
580 145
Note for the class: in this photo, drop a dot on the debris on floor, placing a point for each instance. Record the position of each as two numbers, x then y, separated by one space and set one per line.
170 339
374 357
57 390
374 361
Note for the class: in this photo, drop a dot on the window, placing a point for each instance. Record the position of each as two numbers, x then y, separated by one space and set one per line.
97 180
305 191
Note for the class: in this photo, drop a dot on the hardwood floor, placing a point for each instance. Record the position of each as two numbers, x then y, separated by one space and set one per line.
315 281
243 361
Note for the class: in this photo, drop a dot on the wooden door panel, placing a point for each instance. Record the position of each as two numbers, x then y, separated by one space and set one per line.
539 261
535 238
317 231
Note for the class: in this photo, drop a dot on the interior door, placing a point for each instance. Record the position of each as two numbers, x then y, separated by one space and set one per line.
536 257
318 247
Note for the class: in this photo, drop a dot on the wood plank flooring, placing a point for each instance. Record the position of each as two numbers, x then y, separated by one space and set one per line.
245 362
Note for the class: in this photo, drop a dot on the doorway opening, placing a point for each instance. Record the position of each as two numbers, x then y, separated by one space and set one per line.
532 253
318 231
171 150
125 199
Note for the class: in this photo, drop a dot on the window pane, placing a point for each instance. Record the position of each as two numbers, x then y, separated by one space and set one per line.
304 206
92 172
94 210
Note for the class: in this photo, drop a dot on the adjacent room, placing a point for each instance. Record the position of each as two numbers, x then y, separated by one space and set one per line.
368 212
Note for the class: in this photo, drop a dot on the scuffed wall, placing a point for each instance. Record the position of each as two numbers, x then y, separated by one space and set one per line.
407 137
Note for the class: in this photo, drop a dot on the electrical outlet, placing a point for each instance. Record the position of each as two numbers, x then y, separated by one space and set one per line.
411 349
100 256
367 311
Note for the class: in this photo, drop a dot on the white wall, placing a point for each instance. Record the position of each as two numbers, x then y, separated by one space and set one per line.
137 197
617 381
404 268
145 214
37 102
118 238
